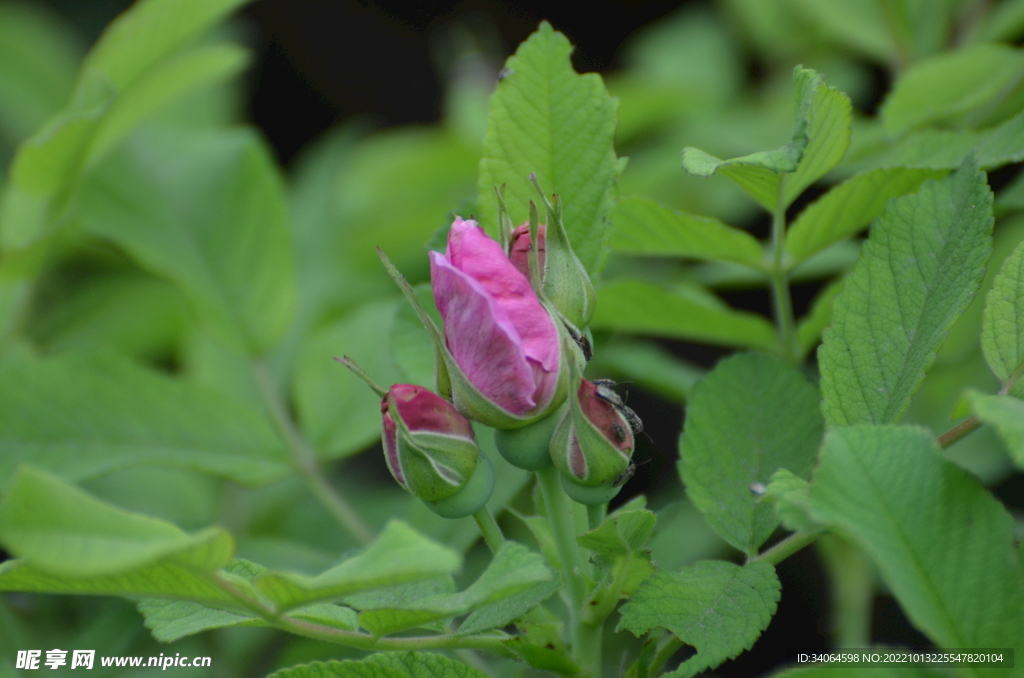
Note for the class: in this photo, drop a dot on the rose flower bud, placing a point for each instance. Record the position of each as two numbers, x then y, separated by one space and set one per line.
431 451
505 345
593 444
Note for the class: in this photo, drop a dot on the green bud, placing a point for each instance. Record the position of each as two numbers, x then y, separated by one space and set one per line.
527 447
593 444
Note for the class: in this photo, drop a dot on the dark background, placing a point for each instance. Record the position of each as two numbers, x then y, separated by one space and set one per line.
319 62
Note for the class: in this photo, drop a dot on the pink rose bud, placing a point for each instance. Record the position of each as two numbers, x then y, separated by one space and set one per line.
431 451
593 444
519 248
505 344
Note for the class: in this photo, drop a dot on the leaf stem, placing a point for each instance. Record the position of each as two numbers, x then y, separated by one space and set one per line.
305 462
788 546
782 303
493 643
959 431
489 529
668 647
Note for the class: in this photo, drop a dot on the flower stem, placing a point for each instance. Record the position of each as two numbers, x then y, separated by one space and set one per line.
305 462
586 646
489 529
781 301
596 515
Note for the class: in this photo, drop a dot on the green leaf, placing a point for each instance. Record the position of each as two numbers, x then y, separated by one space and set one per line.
61 530
1002 330
348 668
424 665
513 570
398 555
749 417
682 313
645 228
838 671
820 139
182 73
38 59
171 620
791 496
80 415
505 611
132 47
856 24
717 607
546 119
849 207
918 271
207 210
622 533
946 86
943 545
384 665
946 149
1006 413
337 411
818 318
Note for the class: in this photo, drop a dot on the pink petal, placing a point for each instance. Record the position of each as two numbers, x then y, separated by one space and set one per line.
423 410
482 339
483 260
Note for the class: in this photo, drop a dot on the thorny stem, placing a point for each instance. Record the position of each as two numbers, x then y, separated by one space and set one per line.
783 305
489 529
305 462
788 546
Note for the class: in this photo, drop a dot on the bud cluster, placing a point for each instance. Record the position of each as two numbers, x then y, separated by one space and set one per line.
510 356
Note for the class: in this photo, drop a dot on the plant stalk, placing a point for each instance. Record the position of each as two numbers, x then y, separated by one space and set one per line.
305 462
586 646
782 303
489 529
788 546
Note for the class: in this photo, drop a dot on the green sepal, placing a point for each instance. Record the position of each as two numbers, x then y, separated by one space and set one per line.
527 447
589 495
473 495
464 395
566 284
435 465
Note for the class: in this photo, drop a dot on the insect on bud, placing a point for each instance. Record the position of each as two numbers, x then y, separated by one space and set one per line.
593 444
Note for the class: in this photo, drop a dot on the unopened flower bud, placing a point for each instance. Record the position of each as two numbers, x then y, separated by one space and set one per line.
430 448
593 444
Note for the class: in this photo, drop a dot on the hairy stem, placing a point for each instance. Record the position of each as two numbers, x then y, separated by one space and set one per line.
971 423
305 462
781 302
489 529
